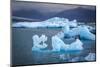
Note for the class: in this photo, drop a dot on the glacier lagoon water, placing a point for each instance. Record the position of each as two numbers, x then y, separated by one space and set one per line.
23 54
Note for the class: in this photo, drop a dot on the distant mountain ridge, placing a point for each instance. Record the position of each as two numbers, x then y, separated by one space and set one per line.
80 14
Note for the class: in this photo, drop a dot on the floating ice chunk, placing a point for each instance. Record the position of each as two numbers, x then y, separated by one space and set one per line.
66 29
62 57
90 57
57 43
37 41
43 39
85 33
73 32
82 31
60 35
77 45
73 23
75 59
70 32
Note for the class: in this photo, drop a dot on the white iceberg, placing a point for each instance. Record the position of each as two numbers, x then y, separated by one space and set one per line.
37 41
91 57
52 22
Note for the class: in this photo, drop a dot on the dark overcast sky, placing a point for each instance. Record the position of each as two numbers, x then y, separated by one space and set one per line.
47 10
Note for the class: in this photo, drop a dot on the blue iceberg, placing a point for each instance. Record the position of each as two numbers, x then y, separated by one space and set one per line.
91 57
85 33
58 45
81 31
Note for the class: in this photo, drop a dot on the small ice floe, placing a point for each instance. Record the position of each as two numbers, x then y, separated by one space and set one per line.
62 57
75 59
91 57
85 33
39 43
58 45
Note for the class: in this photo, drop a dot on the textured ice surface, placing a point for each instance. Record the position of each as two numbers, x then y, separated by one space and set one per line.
73 23
90 57
85 33
60 35
52 22
82 31
58 44
77 45
66 29
39 43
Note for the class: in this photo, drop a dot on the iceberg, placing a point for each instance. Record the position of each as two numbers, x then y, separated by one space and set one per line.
66 29
73 23
77 45
78 31
85 33
52 22
60 35
58 45
74 32
39 43
90 57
